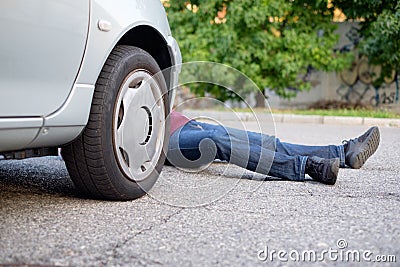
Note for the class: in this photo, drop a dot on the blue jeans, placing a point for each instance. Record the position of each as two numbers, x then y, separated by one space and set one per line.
196 144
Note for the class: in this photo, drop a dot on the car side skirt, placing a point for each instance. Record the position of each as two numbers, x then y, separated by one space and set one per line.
68 122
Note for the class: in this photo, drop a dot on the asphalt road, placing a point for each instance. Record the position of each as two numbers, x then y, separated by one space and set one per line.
242 223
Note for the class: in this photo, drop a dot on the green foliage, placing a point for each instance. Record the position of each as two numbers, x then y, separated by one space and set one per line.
380 28
273 42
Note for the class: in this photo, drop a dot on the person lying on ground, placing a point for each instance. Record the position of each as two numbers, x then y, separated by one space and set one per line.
194 144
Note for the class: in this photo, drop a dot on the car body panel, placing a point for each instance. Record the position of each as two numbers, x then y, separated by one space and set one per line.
40 38
17 133
57 95
68 122
119 14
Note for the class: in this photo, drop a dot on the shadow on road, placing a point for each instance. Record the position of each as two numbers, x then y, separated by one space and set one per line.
47 175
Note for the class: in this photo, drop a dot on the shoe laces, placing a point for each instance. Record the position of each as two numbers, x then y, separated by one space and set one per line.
345 144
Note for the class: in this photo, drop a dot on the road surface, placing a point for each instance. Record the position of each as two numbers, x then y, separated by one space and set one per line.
250 220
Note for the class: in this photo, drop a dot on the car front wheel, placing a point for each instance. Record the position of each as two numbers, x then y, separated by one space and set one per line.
121 152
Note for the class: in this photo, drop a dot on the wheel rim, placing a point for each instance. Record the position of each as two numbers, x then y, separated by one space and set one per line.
138 125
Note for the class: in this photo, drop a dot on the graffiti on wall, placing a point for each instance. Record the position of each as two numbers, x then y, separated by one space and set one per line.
358 84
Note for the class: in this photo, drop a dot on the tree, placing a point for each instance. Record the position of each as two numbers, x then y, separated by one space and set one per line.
380 30
274 42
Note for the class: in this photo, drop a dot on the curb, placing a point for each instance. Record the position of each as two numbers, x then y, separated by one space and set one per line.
292 118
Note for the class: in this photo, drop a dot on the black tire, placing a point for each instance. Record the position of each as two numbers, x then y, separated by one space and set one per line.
94 162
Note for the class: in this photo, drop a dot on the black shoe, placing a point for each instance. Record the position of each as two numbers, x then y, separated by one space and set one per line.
358 150
323 170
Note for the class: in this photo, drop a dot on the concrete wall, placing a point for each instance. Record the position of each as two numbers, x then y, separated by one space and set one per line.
350 86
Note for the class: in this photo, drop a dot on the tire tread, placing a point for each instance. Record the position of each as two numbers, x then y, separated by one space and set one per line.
84 157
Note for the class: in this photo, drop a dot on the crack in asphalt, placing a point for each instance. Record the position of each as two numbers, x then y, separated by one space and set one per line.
122 244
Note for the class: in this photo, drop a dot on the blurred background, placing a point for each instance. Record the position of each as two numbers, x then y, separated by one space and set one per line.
318 54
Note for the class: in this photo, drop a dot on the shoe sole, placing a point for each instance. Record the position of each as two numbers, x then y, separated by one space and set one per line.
365 151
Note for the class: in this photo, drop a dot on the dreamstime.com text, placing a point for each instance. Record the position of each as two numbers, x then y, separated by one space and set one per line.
339 254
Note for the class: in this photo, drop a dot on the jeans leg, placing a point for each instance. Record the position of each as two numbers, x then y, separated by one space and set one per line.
249 150
191 146
261 156
288 167
329 151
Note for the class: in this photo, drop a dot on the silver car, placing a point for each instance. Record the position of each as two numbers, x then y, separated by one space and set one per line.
77 74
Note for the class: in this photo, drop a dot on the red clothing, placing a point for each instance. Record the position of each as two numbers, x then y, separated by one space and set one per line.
177 120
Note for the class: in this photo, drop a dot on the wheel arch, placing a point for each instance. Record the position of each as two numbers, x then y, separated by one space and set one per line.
150 40
145 37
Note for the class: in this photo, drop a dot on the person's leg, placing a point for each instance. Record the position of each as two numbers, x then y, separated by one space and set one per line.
272 143
328 151
324 170
354 153
201 143
256 152
196 143
191 146
320 162
276 164
260 139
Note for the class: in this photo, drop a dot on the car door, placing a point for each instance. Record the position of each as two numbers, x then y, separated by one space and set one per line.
41 50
